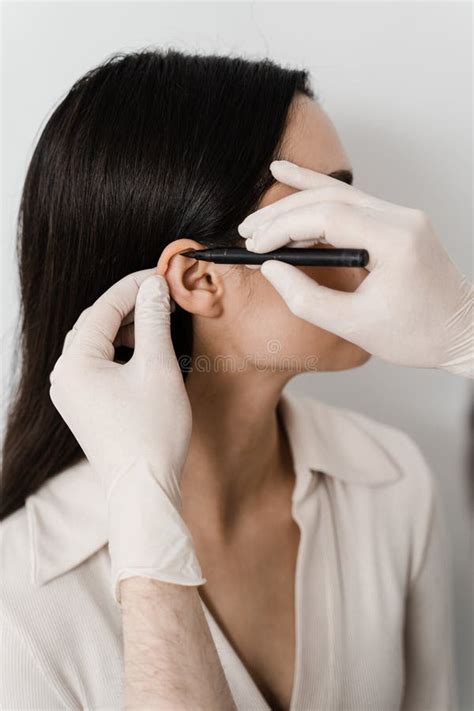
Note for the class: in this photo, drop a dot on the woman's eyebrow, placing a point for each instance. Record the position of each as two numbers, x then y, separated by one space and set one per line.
345 175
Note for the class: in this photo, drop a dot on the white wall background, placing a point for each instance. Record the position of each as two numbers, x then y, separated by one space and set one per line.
396 78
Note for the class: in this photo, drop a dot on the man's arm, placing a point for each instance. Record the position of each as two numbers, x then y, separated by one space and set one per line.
169 654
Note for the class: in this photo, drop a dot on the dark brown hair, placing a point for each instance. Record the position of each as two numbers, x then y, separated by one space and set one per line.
147 147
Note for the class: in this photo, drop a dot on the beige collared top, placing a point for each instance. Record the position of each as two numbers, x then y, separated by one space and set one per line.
372 593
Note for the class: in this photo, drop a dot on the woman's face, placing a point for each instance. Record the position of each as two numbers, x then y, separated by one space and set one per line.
258 324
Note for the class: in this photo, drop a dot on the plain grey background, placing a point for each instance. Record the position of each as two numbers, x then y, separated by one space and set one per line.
396 79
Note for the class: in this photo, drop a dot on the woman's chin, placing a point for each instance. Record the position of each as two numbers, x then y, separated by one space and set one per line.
356 357
348 356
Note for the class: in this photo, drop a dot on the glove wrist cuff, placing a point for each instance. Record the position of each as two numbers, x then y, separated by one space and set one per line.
147 536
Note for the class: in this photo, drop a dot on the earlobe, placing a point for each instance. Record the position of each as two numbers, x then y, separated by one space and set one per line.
194 285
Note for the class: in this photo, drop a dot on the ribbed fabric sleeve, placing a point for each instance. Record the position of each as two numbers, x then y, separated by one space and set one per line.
429 649
23 685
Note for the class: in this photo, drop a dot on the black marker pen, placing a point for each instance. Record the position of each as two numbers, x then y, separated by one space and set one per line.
303 257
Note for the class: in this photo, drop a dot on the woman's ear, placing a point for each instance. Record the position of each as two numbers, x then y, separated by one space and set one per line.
194 285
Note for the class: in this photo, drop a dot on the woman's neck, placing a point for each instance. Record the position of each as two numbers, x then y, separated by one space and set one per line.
238 459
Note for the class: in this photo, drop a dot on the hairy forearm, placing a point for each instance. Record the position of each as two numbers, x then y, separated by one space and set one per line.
169 655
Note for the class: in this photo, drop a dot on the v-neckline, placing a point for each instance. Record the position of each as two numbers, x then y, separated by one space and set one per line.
252 692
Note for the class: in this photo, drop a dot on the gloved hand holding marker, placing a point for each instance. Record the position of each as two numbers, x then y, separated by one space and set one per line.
414 308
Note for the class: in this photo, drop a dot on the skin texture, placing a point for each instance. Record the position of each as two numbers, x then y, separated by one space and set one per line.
170 659
237 496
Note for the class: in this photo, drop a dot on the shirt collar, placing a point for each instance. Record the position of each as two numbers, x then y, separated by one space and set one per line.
66 516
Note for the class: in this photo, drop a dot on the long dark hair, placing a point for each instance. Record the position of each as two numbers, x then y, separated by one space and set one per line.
147 147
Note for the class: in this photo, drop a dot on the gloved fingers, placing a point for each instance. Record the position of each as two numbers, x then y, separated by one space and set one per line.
332 193
125 336
294 245
314 188
333 310
304 223
131 316
81 318
97 330
339 224
308 180
153 343
126 333
290 202
68 339
305 179
313 242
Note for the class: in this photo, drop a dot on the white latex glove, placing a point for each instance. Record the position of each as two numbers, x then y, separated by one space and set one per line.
133 422
414 308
